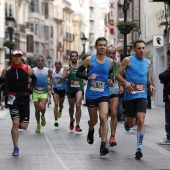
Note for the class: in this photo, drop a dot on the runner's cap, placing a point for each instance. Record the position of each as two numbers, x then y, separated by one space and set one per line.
17 51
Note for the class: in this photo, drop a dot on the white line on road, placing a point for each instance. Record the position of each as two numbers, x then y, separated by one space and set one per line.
55 154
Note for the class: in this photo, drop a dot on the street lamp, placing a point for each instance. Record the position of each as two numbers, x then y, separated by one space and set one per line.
10 21
125 8
83 39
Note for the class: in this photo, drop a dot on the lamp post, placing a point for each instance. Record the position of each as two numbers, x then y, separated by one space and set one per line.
10 24
125 8
84 39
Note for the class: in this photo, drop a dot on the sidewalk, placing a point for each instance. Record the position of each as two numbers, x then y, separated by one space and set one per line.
3 112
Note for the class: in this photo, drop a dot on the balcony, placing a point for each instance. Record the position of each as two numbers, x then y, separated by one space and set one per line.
58 14
69 37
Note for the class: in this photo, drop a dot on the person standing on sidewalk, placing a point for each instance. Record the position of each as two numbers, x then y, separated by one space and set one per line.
165 79
59 90
17 75
135 95
97 93
40 93
75 88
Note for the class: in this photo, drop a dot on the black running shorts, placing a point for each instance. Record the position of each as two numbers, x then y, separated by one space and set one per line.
20 109
95 102
134 106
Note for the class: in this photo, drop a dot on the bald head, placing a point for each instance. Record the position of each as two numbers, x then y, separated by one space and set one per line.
111 52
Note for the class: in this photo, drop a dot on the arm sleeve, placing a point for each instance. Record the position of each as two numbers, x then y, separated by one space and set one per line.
80 74
34 80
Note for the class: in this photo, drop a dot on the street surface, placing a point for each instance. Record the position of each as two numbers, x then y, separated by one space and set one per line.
60 149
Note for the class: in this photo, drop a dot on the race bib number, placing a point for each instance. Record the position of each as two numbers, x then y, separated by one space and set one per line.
58 83
39 89
138 88
75 83
97 86
11 99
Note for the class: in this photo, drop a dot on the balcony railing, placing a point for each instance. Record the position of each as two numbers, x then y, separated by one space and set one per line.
68 37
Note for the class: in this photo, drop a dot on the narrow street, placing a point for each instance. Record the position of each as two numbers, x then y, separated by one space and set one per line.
64 150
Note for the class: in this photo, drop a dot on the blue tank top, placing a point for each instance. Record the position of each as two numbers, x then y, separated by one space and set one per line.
98 87
137 73
57 84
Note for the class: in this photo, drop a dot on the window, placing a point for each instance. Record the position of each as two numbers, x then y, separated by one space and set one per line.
30 43
52 32
46 10
34 6
46 33
31 27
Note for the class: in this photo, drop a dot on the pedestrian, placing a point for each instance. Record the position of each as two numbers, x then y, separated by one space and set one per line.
97 93
40 93
59 90
165 79
113 95
75 89
16 76
135 94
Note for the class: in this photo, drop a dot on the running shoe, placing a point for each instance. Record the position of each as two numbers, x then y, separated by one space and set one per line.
43 121
78 129
90 137
72 124
103 151
165 142
112 141
127 128
59 114
56 123
15 151
38 128
138 154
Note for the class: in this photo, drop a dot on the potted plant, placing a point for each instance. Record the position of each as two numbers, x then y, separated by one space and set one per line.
10 45
126 27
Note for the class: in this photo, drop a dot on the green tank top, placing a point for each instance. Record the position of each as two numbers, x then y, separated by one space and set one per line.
115 68
74 83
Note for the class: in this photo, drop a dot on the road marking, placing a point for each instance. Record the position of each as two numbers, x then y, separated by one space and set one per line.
55 154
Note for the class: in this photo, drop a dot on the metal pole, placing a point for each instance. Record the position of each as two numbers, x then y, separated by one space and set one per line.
125 35
10 30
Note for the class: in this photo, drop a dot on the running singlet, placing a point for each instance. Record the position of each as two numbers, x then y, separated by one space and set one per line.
98 87
74 83
115 88
42 80
17 79
57 84
137 73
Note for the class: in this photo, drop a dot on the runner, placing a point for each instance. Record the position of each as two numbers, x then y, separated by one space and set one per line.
97 93
40 93
59 90
75 89
16 76
137 77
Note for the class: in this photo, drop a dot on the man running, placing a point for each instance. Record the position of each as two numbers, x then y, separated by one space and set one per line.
97 93
75 89
59 90
114 95
17 75
40 93
135 95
